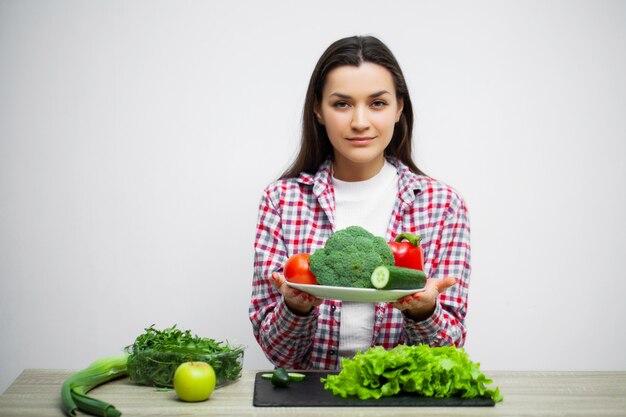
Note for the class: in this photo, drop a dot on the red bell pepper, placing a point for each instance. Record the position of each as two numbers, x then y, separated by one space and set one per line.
408 254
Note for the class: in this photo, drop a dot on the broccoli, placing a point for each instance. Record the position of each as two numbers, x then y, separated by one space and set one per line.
349 257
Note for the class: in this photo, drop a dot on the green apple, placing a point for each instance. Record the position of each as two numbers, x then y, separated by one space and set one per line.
194 381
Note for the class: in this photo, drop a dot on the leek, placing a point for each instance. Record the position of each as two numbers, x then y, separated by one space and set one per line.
76 386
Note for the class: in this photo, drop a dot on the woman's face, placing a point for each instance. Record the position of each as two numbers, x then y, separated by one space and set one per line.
359 110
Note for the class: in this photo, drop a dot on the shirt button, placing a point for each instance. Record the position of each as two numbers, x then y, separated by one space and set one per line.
332 352
333 308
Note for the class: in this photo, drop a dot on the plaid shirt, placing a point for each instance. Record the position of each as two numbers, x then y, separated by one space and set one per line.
296 215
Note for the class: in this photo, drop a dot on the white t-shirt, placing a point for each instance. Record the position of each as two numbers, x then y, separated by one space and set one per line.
368 204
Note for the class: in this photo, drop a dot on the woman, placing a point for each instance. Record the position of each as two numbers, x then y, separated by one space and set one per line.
355 168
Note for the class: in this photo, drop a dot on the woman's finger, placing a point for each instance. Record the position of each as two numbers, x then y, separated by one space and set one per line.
425 298
294 296
276 280
443 284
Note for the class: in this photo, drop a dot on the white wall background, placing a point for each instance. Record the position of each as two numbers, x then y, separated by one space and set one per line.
136 138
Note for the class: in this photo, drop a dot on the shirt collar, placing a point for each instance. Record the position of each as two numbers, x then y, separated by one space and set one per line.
322 178
409 183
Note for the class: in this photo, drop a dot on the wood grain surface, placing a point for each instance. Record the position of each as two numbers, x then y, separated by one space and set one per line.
36 392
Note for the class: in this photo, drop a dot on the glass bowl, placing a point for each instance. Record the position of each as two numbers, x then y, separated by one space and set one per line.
156 368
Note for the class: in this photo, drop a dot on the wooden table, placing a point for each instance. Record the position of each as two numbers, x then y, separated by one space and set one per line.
36 392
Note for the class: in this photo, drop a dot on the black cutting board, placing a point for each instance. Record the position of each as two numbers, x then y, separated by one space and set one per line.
311 393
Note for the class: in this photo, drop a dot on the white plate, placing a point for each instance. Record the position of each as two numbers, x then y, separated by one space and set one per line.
367 295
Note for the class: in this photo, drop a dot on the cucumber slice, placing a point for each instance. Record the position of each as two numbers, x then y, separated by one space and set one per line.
292 376
296 377
380 277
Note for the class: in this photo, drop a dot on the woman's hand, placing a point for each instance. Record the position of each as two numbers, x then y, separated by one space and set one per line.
300 303
421 305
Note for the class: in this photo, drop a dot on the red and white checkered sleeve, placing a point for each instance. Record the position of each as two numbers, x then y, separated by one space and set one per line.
284 337
446 325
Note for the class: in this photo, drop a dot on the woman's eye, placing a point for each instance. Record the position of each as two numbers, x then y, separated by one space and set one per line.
340 105
379 103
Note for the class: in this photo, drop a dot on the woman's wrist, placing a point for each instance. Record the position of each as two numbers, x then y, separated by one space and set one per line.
298 310
420 314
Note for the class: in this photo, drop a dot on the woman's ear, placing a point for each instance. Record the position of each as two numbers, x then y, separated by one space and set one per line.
318 113
400 108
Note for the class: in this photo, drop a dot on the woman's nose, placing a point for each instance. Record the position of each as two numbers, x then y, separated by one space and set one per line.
359 119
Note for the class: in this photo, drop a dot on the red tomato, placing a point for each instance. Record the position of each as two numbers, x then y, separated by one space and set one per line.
297 269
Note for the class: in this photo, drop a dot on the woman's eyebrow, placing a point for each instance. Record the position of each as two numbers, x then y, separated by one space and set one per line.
376 94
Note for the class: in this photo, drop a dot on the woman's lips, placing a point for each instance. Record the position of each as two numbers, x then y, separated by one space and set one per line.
360 140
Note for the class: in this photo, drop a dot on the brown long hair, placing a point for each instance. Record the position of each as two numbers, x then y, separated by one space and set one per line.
315 146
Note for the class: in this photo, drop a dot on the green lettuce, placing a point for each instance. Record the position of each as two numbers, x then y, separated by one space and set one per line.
431 371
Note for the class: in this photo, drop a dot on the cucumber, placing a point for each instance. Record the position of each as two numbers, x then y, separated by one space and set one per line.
387 277
278 377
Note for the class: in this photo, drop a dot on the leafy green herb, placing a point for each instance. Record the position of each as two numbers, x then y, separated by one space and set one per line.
156 354
436 372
